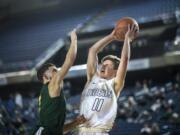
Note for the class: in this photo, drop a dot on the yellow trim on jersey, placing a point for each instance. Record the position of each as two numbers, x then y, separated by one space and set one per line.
93 129
39 105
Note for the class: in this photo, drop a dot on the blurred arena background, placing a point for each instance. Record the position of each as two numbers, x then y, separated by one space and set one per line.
37 31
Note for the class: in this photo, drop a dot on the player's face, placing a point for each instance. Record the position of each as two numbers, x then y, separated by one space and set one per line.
107 70
50 72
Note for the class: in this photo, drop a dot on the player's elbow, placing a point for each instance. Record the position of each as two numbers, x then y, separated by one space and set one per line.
92 50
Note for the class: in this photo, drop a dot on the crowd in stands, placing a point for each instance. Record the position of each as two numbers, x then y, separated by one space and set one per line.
155 108
17 114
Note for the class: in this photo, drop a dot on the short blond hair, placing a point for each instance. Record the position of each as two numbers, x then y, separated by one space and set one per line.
112 58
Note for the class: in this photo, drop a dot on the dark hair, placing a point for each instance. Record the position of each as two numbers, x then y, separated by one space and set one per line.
112 58
42 69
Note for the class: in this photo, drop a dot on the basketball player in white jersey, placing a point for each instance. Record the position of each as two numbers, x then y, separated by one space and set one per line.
103 87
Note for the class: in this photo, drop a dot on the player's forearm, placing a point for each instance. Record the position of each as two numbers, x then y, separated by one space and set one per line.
69 126
70 58
72 52
98 46
121 72
126 50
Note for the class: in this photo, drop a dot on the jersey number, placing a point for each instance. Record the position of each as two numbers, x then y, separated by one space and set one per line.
97 104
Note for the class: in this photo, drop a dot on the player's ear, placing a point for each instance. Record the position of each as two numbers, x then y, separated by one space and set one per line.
115 72
45 77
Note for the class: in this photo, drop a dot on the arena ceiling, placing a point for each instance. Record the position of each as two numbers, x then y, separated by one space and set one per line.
20 6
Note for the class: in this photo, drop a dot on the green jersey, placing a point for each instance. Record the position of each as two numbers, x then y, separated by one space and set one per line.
52 111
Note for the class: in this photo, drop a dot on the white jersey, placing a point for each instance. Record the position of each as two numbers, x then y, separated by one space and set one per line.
99 103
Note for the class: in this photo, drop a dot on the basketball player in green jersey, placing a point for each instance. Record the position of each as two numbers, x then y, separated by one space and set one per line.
52 106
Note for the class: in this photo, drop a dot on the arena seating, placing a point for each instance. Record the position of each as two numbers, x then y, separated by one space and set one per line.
142 11
139 105
25 39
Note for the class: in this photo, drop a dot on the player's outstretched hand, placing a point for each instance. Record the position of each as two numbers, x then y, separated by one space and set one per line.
73 35
132 32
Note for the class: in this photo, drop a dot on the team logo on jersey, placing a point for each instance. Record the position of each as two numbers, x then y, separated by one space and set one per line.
99 93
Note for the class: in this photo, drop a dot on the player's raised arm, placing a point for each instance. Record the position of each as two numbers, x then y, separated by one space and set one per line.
125 56
92 55
69 60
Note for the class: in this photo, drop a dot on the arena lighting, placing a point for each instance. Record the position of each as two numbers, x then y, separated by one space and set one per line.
170 58
172 53
16 77
177 41
133 65
77 67
21 73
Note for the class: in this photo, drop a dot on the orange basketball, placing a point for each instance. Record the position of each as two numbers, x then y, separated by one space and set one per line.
122 27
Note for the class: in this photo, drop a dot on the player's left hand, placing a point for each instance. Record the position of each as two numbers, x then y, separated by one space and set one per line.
132 32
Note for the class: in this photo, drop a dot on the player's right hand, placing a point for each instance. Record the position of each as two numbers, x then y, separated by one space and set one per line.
112 35
80 120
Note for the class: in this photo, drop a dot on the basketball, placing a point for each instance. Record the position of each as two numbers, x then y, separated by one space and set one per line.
122 27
